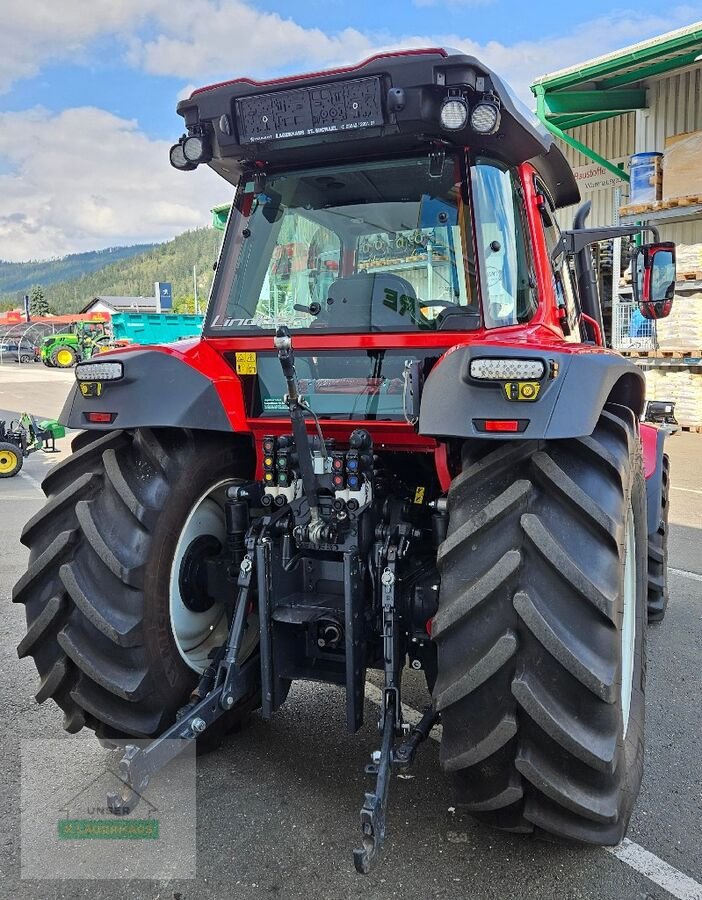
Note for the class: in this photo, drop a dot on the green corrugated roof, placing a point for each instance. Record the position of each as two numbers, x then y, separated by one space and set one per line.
611 85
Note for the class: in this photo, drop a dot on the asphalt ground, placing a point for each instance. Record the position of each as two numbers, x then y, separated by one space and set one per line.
278 804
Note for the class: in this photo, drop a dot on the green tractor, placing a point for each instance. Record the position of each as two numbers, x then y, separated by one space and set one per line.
83 340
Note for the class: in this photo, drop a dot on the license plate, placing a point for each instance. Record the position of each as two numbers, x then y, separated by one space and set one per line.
303 112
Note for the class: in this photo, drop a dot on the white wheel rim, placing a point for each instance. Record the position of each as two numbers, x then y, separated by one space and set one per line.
628 618
197 634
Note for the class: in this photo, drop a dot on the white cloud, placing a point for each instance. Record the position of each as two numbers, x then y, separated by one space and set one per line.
229 37
34 32
196 43
86 179
203 40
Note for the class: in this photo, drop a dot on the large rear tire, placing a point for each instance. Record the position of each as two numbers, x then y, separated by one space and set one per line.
97 591
541 633
658 555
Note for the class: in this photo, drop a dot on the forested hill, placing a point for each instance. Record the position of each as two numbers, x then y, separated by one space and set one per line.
20 277
135 275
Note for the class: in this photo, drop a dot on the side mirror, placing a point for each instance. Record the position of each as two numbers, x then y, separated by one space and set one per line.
653 282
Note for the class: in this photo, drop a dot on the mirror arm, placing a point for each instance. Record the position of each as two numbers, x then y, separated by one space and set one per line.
576 239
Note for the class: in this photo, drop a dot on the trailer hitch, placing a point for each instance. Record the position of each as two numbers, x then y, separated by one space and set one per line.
373 812
374 808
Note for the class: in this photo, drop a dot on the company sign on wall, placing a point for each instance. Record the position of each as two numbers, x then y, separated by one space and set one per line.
594 177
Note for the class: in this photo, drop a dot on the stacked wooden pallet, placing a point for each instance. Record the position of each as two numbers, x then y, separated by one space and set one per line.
636 209
664 353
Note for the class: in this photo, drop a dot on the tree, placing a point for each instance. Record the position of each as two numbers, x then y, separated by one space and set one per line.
184 304
38 304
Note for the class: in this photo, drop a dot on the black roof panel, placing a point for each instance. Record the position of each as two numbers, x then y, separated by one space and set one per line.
228 111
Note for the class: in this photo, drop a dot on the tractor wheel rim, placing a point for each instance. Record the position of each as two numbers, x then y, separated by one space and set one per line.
64 357
628 631
197 634
8 461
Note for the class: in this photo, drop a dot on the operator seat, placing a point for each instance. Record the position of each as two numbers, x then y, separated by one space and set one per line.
369 301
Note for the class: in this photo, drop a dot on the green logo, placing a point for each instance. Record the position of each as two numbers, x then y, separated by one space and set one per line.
83 815
108 829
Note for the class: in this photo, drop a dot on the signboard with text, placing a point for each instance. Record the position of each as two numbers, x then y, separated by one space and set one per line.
163 291
594 177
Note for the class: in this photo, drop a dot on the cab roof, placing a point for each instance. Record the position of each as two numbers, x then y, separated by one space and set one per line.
404 91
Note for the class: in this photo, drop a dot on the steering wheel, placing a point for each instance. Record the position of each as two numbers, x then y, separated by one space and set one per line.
444 304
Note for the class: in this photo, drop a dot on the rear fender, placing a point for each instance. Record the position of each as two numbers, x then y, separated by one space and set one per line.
182 385
571 396
652 447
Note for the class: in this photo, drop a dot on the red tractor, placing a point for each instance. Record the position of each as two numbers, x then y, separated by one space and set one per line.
411 447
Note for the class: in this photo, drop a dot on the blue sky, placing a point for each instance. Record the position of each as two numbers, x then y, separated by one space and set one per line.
88 90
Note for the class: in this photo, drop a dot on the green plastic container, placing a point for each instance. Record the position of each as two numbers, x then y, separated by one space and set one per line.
55 429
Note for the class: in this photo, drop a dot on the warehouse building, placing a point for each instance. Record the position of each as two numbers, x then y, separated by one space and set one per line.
643 99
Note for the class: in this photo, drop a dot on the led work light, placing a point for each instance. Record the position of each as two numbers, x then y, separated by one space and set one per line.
507 369
196 149
99 371
454 114
485 117
178 160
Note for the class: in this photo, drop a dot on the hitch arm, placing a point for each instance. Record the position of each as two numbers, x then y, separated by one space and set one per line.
138 765
232 682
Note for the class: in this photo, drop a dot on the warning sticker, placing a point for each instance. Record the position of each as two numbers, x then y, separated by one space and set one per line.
90 388
246 364
419 495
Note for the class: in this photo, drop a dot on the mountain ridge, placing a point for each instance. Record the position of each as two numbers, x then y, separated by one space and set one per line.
21 276
131 274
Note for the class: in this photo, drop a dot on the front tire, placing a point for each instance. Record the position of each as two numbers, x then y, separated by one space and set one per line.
541 633
97 589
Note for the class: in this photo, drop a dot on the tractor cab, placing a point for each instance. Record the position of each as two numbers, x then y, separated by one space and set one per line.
386 198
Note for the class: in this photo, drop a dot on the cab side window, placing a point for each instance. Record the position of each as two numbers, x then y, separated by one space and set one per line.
564 283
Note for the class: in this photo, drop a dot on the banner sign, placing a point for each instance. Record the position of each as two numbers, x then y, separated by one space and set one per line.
163 291
594 177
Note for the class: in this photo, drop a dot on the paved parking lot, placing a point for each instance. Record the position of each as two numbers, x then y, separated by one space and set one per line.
278 805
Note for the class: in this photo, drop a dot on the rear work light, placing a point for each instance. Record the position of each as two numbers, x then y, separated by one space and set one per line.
507 369
454 114
178 160
196 149
99 371
485 117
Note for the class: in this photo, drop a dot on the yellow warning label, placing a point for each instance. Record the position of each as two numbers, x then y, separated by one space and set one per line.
246 364
419 495
522 390
90 388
